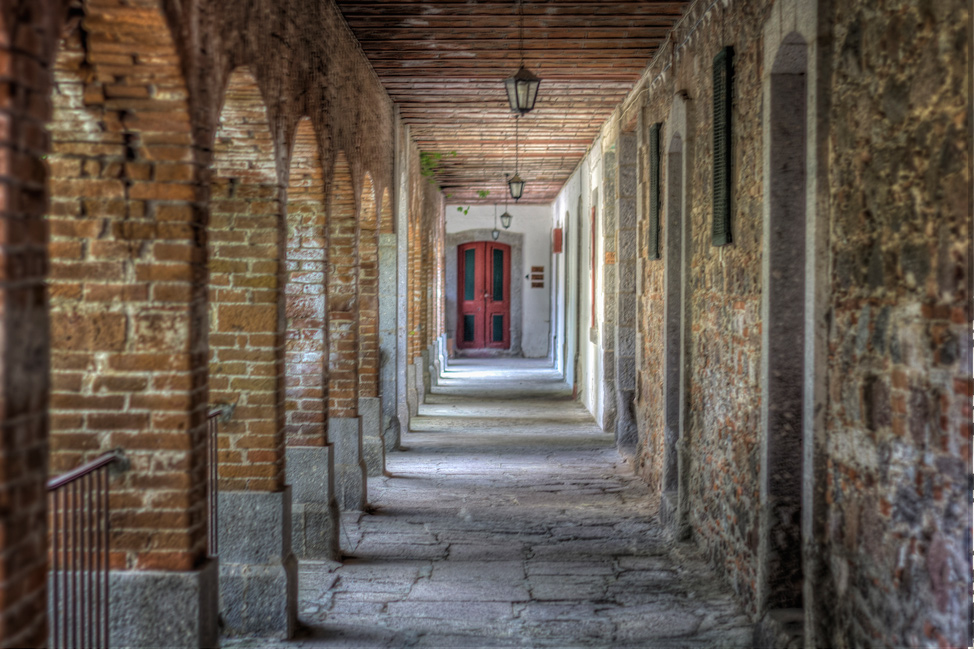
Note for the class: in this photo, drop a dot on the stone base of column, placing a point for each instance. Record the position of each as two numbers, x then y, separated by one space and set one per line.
434 365
151 608
392 435
258 571
350 471
422 376
412 392
627 431
315 519
427 375
373 447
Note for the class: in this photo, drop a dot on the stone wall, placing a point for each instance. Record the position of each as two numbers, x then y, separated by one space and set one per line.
819 458
898 416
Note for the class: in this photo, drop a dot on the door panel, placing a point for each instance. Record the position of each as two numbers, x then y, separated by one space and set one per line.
484 280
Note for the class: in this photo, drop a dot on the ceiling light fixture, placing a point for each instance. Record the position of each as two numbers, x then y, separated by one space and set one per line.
515 184
522 88
506 216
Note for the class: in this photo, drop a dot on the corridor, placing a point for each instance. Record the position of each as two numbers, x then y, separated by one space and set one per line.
509 520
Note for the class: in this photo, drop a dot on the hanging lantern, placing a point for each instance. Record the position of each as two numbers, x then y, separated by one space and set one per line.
516 186
494 234
522 90
506 219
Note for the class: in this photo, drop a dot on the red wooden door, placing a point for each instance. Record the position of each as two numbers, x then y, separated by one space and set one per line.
483 296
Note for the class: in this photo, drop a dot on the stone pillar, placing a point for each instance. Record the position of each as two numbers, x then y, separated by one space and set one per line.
373 447
350 471
258 571
314 510
387 340
609 283
152 608
627 435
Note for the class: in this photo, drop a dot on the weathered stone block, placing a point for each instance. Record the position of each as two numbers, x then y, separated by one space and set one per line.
350 470
258 571
170 609
373 447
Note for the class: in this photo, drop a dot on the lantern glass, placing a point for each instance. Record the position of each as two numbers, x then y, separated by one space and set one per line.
494 234
506 220
522 90
516 185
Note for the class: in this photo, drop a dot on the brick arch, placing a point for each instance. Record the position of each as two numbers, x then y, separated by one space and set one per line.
386 222
307 319
125 262
246 338
368 290
342 273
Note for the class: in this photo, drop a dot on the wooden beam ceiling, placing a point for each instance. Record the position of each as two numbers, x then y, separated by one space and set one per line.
444 63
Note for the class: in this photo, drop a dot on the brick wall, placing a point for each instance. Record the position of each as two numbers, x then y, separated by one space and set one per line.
132 141
306 315
25 47
343 299
126 369
246 336
426 232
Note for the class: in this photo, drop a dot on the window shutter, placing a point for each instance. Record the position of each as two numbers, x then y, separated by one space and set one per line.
723 75
654 190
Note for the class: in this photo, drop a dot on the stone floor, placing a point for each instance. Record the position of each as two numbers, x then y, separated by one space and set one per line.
509 520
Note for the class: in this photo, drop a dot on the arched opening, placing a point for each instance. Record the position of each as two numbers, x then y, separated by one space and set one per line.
370 408
125 297
784 330
310 463
246 241
306 349
246 355
368 291
344 425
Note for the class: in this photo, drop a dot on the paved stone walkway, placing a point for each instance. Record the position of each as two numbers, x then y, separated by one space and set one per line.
510 521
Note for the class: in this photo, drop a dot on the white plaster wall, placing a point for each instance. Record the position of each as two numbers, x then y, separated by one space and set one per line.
565 210
534 222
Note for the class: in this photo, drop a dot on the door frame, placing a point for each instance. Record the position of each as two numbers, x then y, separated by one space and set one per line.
516 241
484 305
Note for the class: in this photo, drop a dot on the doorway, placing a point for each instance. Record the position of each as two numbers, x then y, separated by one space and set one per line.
483 295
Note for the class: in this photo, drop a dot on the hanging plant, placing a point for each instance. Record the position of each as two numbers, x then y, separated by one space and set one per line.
481 193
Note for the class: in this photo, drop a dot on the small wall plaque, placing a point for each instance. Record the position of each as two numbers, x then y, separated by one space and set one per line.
610 258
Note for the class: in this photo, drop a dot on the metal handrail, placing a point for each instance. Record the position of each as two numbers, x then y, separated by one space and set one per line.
213 418
80 553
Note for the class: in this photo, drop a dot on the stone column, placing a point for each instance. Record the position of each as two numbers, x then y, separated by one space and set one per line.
387 340
609 283
627 435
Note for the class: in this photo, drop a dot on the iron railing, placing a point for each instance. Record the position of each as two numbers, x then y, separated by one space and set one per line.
212 488
213 419
80 546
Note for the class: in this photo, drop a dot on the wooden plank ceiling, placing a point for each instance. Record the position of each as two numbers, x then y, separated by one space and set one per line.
444 63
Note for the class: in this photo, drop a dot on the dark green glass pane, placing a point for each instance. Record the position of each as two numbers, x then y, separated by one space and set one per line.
498 329
468 326
469 270
498 275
